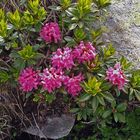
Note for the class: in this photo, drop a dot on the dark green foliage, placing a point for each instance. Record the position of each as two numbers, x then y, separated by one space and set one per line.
109 131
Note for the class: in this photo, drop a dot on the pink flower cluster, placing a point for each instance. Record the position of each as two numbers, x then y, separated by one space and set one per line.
51 79
63 58
50 32
116 76
84 52
72 84
29 79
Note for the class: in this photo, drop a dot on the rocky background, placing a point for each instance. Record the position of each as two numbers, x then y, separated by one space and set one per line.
124 28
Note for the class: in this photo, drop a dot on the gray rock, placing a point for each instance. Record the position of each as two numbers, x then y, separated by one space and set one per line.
124 28
58 127
54 127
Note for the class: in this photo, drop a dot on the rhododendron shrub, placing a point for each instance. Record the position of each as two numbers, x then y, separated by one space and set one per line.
57 51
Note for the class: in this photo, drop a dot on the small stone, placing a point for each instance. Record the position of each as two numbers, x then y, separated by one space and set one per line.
58 127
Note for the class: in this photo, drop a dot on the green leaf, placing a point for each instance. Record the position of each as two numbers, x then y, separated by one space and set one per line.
27 18
125 64
131 91
79 34
109 51
2 14
3 28
113 104
92 86
55 8
14 54
135 79
79 116
15 18
101 100
137 94
1 40
36 98
96 34
84 7
121 117
95 103
80 24
105 86
68 38
19 64
121 107
107 113
27 53
72 26
108 97
49 97
84 114
36 47
14 44
102 3
33 5
115 117
65 3
28 95
74 110
22 2
84 97
117 92
39 56
3 76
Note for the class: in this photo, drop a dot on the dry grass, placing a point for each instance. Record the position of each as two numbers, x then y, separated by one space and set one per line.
11 112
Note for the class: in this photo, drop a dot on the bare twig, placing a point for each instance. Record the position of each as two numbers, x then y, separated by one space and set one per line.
88 122
1 60
36 122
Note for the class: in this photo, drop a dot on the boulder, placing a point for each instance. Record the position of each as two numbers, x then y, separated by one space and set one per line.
124 29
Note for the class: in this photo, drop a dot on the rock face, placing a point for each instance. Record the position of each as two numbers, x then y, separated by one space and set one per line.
53 128
124 28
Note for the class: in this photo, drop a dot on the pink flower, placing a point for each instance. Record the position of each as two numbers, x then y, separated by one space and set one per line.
84 52
63 58
51 79
116 76
28 79
50 32
72 84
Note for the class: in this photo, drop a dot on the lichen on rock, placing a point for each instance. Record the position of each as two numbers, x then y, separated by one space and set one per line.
124 28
